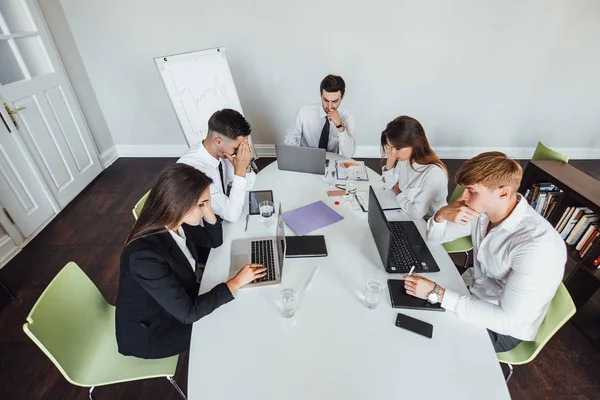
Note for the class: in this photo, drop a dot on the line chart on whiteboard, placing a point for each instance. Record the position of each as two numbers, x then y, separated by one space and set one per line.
197 87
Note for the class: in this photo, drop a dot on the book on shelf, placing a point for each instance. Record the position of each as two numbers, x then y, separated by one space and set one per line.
563 220
539 195
578 212
590 243
580 227
588 233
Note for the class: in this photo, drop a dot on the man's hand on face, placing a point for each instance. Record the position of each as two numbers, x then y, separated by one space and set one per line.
242 158
334 117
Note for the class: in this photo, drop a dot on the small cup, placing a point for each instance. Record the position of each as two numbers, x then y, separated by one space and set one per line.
373 291
267 210
288 302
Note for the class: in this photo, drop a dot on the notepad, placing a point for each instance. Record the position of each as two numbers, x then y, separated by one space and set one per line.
387 200
311 217
356 170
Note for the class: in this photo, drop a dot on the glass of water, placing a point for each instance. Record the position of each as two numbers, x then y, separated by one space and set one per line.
330 175
351 187
266 209
373 291
288 302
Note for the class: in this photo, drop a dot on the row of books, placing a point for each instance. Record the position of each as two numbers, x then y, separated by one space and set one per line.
543 197
579 227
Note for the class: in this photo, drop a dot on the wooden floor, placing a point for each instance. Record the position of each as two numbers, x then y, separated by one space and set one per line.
91 231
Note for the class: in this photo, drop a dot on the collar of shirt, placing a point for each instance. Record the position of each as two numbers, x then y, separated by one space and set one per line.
179 236
511 222
205 155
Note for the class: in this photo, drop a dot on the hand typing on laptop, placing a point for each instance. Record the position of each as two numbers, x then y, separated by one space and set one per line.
246 275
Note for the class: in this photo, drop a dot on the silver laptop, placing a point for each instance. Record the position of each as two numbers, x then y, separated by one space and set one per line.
268 251
300 159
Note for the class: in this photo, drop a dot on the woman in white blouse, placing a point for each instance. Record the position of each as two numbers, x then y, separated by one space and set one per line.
412 170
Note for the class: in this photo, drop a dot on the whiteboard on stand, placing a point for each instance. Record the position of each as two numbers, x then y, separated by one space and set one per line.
198 84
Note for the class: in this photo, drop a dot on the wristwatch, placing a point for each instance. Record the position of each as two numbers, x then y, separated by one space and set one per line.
341 125
434 296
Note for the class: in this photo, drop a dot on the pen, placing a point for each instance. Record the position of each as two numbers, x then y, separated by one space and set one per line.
312 276
411 270
247 218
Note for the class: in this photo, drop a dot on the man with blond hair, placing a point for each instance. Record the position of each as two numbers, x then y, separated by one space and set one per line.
519 259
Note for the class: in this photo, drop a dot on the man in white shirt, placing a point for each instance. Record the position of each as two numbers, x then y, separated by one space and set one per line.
519 259
325 125
225 156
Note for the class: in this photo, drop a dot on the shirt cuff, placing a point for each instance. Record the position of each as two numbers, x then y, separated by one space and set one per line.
238 181
450 300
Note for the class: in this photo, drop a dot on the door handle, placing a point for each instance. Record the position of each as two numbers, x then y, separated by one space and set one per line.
11 114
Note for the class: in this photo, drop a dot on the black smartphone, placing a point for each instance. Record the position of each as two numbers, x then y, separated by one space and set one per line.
414 325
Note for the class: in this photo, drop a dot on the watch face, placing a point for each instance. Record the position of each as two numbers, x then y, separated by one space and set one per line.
433 298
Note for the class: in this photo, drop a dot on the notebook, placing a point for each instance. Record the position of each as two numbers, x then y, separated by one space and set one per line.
400 299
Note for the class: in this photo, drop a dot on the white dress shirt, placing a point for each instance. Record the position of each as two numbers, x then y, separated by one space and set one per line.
517 267
424 187
229 208
306 131
180 240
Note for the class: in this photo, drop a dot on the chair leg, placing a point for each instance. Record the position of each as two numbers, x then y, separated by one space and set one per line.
510 372
466 264
90 395
183 396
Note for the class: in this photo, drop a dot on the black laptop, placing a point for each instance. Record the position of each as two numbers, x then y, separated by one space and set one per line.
399 243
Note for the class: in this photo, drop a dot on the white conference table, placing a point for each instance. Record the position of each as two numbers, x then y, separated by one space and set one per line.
334 347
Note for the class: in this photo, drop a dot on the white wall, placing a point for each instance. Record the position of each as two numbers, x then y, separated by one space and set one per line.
477 74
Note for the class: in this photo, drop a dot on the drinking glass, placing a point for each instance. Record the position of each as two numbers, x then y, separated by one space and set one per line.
267 210
373 291
288 302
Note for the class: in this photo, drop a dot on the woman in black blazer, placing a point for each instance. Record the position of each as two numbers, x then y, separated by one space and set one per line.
158 299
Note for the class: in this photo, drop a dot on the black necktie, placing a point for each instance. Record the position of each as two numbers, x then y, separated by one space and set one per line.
324 140
222 180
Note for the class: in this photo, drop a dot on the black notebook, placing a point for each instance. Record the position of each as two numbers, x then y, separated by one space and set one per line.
400 299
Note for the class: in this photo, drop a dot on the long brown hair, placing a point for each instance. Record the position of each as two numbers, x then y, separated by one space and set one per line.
406 131
176 190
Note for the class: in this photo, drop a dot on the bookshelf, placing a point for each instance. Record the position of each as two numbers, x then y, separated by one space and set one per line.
582 278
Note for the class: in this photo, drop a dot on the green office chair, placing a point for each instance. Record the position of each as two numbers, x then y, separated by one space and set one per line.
543 153
137 209
463 244
75 327
561 309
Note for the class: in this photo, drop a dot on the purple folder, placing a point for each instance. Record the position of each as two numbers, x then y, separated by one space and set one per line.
309 218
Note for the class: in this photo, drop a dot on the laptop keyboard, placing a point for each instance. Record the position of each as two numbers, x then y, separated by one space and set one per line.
262 253
401 253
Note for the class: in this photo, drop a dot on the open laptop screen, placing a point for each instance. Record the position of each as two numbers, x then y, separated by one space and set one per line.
280 237
379 227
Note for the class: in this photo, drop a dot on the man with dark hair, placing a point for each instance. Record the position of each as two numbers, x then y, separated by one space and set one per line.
225 156
325 125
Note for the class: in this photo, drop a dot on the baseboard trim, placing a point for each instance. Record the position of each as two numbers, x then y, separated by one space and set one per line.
264 150
108 157
170 150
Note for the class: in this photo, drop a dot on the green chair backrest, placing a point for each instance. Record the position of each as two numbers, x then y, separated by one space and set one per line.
543 153
458 190
67 320
560 310
137 209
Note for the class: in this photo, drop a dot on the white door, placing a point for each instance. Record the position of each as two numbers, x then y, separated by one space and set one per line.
42 107
24 204
7 245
